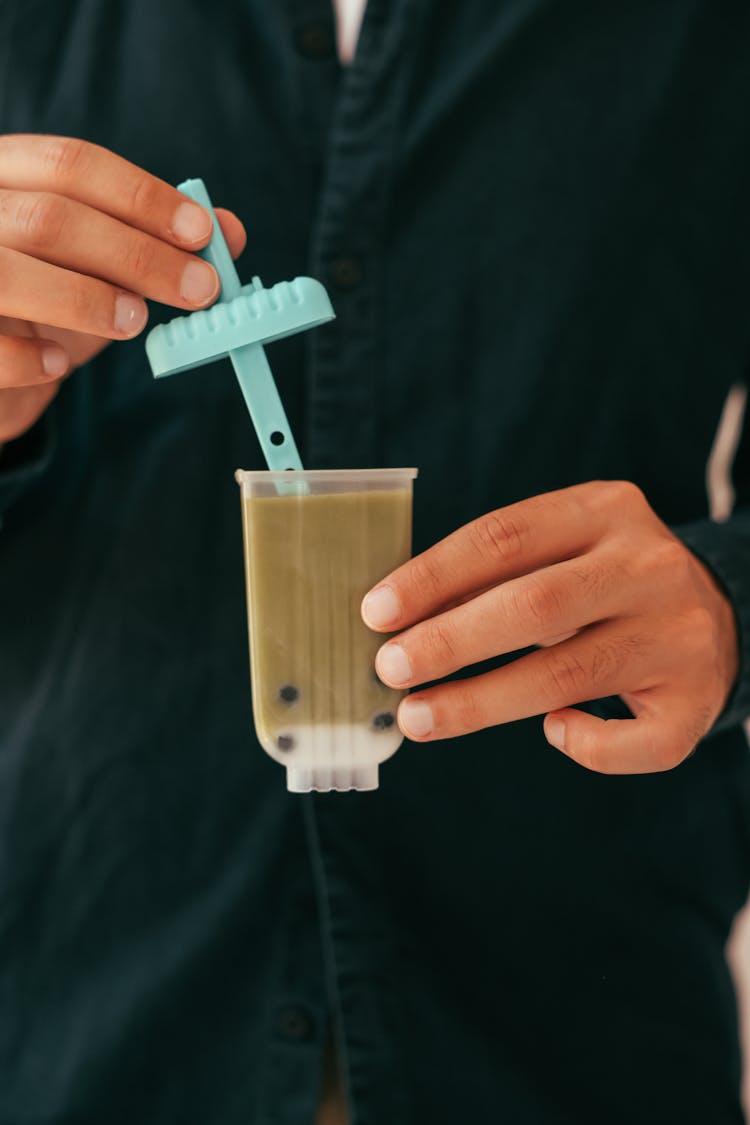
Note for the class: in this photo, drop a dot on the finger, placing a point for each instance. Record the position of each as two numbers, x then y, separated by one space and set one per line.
77 237
651 743
93 175
601 661
550 604
36 291
80 348
26 361
496 547
233 230
20 407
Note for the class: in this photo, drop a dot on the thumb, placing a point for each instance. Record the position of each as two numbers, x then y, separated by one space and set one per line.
662 736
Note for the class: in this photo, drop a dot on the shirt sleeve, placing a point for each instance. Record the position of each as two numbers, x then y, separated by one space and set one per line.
25 459
724 547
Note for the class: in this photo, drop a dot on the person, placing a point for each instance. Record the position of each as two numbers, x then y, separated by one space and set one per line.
532 219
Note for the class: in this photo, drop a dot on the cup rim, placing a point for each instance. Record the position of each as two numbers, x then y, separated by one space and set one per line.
274 476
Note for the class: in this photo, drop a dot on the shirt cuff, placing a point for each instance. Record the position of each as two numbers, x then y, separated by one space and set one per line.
25 459
725 549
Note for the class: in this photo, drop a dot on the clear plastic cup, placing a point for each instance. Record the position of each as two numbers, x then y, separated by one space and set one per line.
315 543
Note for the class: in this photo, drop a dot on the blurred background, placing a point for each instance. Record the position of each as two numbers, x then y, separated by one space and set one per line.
718 480
739 959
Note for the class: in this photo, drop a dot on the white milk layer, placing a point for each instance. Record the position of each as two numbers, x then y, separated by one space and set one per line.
325 756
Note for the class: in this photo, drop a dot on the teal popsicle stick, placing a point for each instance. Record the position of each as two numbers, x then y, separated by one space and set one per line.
242 320
250 363
262 398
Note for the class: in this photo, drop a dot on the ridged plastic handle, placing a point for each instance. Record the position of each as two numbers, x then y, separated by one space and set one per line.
250 364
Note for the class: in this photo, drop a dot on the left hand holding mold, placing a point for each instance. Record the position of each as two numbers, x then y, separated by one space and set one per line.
615 602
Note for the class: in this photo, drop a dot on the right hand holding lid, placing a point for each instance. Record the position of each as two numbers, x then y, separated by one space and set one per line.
85 237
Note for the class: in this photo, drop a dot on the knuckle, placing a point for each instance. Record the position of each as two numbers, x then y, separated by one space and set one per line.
668 757
669 557
10 362
143 196
592 748
65 157
40 219
694 634
83 305
668 753
428 576
593 755
600 576
607 660
656 753
565 678
467 710
539 601
612 657
628 492
139 258
699 726
7 265
700 625
607 495
440 642
500 535
661 759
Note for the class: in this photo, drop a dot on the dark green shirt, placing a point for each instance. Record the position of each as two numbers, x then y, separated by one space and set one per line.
533 220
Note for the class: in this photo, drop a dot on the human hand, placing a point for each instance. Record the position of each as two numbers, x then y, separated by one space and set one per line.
617 603
85 236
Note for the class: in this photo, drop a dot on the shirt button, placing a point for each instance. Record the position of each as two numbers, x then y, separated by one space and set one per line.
346 273
294 1023
315 41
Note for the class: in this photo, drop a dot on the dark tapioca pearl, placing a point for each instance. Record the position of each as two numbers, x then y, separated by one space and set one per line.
288 693
384 720
285 742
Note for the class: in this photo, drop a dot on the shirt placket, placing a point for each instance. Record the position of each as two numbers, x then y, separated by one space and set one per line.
297 1016
345 381
345 360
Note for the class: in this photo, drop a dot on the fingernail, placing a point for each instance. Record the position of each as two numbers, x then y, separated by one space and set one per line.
54 361
393 665
191 223
554 732
131 314
380 607
200 283
415 716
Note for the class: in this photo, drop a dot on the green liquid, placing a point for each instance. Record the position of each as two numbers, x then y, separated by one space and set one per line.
310 559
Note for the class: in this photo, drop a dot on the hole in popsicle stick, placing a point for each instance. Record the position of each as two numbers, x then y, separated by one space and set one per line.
285 742
277 438
288 693
384 721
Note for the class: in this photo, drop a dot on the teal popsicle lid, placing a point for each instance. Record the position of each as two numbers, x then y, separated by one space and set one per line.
243 319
